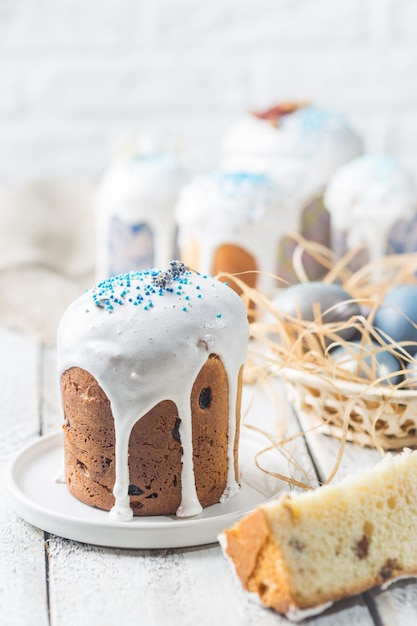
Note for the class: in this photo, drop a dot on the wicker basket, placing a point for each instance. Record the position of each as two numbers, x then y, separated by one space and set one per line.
367 413
376 416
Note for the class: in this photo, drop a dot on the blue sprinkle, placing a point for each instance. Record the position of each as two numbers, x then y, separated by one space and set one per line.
218 315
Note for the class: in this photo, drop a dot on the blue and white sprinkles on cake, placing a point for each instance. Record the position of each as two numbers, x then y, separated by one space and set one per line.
145 336
144 288
230 200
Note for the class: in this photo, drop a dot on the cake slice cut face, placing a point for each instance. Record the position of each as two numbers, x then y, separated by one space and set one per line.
304 551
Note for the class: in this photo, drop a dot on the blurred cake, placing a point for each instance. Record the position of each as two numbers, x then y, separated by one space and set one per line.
232 222
134 213
151 367
302 552
366 199
300 146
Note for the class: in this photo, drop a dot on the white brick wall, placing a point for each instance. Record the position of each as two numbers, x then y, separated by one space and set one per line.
75 75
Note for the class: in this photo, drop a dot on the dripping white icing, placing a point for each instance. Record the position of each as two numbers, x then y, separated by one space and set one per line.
145 343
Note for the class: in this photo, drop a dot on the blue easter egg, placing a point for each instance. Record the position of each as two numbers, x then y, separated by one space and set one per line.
336 305
410 374
397 315
368 361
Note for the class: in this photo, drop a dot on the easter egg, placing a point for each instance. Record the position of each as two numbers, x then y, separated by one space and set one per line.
335 304
367 360
410 374
397 315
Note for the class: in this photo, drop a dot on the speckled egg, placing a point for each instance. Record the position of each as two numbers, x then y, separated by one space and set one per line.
336 304
397 315
368 361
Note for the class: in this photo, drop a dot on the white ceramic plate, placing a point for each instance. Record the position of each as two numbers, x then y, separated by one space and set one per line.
42 501
47 504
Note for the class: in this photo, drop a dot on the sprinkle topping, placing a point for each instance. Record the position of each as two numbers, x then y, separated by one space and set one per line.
162 279
138 288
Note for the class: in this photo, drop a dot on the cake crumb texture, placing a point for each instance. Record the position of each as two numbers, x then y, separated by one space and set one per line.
304 550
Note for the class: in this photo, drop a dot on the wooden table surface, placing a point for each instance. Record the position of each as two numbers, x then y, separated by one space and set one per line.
46 579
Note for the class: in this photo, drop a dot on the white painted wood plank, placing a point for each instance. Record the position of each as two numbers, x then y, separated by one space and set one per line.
185 587
325 450
19 408
268 420
50 408
181 587
397 605
23 596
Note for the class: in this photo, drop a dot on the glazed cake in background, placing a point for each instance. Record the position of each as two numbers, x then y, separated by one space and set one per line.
367 199
233 222
299 146
134 213
304 551
151 372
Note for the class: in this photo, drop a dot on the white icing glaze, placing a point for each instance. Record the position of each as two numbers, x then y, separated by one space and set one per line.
300 153
145 344
137 190
365 197
237 208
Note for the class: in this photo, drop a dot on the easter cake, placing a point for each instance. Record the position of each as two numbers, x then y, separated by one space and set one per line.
300 146
151 367
232 222
367 198
304 551
134 213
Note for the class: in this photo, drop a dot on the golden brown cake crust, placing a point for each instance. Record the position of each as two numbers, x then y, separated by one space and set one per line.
155 475
210 410
154 448
255 555
233 259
